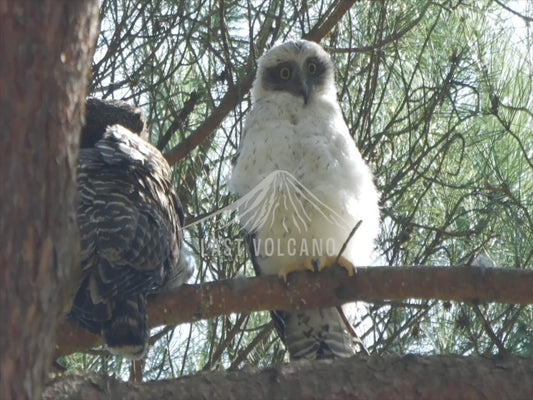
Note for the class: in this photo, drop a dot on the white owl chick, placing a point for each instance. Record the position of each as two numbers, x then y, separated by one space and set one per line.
304 214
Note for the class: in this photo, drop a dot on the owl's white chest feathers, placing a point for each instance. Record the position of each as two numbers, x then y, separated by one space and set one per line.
313 144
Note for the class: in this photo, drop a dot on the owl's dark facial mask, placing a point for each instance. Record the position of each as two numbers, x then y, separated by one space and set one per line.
298 80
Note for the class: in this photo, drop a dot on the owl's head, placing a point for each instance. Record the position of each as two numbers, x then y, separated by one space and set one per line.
301 68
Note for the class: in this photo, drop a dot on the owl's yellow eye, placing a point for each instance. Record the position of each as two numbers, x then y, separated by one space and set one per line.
312 68
285 73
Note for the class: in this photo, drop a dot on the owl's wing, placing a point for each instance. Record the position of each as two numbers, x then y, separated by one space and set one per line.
129 218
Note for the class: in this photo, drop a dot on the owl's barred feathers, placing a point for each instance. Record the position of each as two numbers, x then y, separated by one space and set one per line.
129 218
296 125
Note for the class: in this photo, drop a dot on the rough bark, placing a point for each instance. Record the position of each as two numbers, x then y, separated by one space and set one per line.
389 377
46 49
328 288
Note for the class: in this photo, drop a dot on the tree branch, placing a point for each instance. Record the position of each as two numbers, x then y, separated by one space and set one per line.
524 17
331 287
388 377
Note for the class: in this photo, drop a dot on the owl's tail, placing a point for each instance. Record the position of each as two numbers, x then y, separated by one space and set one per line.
126 333
314 334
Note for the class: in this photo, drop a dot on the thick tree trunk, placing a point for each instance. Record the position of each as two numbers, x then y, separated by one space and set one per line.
390 377
46 49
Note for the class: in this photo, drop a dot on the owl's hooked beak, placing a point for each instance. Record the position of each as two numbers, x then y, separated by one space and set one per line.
303 90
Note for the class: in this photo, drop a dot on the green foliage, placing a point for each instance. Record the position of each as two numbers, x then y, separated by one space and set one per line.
438 98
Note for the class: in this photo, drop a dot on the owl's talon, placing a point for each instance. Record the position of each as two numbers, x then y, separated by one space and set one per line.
307 265
328 262
317 265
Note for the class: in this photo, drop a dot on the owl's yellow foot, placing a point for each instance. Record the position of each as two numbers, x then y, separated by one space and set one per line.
317 264
307 265
330 261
